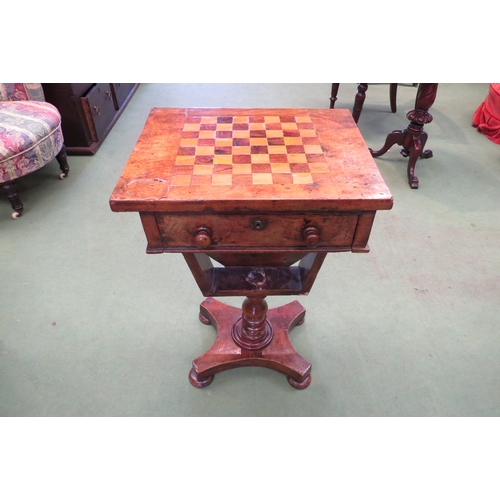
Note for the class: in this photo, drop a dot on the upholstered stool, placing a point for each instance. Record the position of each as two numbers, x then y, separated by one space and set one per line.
30 137
487 116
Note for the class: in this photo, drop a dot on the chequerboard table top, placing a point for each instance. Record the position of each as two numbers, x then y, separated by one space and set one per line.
194 159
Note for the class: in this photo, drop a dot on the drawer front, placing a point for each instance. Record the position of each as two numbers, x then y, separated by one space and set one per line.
101 107
274 231
121 91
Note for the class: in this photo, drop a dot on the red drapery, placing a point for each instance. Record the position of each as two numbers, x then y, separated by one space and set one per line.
487 117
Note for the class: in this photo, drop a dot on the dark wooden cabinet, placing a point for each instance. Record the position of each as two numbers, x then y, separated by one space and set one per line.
88 111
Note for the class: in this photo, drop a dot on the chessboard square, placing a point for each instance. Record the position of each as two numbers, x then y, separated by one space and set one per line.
241 134
242 159
203 160
313 149
223 143
201 179
289 126
240 126
257 126
278 158
222 179
319 168
202 170
292 140
277 150
273 126
208 119
256 150
224 119
285 178
206 142
320 158
242 169
191 127
224 126
264 168
295 149
180 180
186 143
305 132
303 126
260 158
222 169
240 119
257 133
223 159
207 134
302 178
223 150
185 160
303 119
260 141
280 168
291 133
242 179
262 178
297 158
243 150
275 141
208 126
287 118
182 151
272 119
299 168
275 135
190 135
205 150
182 170
241 141
224 134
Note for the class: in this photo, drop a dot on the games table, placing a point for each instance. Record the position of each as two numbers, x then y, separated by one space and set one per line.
254 199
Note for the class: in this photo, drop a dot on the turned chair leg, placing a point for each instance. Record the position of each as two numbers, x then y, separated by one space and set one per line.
393 91
12 193
62 158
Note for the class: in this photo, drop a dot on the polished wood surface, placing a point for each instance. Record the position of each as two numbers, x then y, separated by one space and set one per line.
413 138
254 199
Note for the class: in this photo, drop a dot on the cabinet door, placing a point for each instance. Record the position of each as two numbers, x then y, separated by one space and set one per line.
121 91
100 106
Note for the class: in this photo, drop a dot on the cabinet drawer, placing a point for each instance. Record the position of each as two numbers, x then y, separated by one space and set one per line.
271 231
120 92
99 108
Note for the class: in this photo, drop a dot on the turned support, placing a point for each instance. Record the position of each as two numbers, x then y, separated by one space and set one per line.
252 331
413 138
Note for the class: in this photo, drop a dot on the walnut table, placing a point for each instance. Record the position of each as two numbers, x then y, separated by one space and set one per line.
254 199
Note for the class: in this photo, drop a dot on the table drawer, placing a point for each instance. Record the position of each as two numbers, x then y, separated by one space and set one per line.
211 232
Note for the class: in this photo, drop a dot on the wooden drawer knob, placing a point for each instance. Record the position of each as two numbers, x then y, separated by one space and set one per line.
311 236
203 237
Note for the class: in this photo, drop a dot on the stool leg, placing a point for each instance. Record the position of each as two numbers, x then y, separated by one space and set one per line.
393 90
62 158
359 100
10 190
333 97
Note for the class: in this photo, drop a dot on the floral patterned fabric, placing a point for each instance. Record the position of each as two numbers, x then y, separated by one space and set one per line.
21 92
30 136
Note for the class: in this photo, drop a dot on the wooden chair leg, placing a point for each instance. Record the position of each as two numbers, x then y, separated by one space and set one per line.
62 158
12 193
393 90
333 96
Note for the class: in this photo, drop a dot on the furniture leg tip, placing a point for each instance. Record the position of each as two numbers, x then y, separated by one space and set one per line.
299 385
197 382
